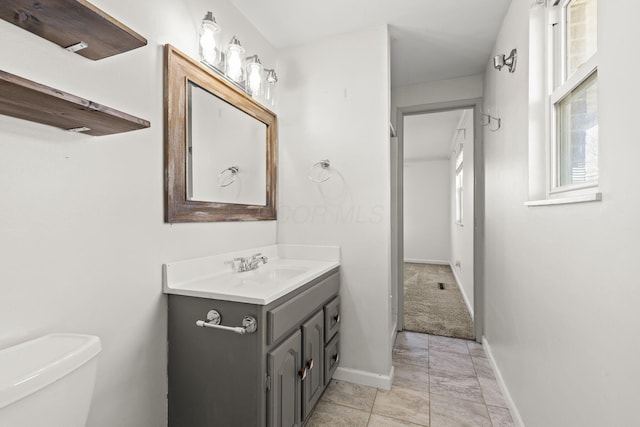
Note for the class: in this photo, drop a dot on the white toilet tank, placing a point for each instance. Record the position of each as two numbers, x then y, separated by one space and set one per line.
48 381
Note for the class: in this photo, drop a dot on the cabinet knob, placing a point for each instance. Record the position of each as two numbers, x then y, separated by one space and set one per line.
303 374
310 364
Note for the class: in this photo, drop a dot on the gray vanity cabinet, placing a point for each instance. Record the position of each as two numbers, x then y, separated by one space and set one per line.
272 377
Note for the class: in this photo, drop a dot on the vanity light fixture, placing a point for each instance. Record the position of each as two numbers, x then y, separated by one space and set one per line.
270 81
254 76
247 74
233 65
500 61
209 40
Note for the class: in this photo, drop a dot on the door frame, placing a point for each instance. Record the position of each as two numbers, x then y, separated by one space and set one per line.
397 208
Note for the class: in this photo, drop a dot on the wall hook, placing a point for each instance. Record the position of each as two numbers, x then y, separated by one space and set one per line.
497 120
489 118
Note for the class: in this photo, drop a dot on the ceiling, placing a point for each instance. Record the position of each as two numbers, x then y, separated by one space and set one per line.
430 39
429 136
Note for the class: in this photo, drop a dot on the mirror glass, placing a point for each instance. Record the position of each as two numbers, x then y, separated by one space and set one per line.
227 152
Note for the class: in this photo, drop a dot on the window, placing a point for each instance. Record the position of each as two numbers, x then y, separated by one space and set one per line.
459 186
573 100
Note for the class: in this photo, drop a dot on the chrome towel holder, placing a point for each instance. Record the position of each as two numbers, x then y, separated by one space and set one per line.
320 171
228 176
249 323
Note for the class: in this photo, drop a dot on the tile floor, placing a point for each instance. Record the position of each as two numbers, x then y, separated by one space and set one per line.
439 382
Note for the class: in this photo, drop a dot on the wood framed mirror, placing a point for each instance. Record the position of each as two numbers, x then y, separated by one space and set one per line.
220 147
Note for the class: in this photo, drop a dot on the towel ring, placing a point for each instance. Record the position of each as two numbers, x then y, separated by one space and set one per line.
320 172
228 176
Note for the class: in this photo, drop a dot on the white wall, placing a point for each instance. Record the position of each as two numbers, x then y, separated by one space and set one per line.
427 211
335 105
562 281
82 237
461 256
435 92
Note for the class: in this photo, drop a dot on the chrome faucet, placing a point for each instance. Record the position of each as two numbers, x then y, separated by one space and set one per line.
247 264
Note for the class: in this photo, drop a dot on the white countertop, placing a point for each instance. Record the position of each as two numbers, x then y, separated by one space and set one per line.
288 268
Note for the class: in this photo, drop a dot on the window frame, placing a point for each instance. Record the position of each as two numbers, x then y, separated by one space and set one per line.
559 87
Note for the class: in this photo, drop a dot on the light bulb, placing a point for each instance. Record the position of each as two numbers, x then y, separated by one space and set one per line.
233 66
209 40
254 76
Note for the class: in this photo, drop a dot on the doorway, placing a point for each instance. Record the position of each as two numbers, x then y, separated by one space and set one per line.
437 217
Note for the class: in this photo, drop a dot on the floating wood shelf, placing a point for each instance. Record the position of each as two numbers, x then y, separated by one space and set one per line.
69 22
32 101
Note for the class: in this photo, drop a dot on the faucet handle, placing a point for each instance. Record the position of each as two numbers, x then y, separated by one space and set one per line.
235 263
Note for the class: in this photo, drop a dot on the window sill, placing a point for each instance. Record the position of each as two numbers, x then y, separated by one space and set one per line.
593 197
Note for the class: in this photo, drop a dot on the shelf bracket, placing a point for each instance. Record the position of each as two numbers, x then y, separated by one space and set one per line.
76 47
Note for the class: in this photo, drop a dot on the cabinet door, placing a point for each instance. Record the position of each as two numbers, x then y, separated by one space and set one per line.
284 367
313 355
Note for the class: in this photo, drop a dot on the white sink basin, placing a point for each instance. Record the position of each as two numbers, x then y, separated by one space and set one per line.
265 276
269 273
211 278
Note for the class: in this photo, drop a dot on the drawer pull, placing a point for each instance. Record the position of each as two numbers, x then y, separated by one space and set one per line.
336 318
335 359
303 374
310 364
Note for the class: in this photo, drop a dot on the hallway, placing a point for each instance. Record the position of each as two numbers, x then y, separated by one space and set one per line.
439 382
433 302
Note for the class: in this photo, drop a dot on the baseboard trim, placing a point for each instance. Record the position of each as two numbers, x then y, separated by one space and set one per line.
364 378
464 295
515 414
426 261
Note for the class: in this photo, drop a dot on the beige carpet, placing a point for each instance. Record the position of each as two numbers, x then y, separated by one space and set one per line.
432 310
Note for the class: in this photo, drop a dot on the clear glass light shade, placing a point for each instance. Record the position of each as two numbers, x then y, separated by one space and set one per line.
254 78
269 87
209 40
233 64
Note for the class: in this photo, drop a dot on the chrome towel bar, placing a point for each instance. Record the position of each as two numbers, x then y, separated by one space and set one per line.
249 323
